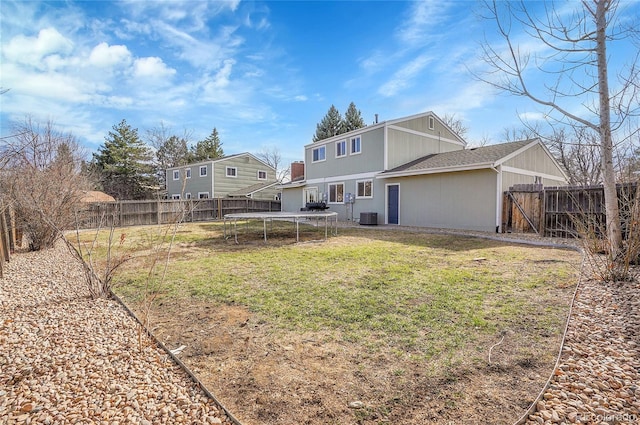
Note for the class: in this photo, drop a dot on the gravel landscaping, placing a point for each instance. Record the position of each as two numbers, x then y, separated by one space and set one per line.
65 358
598 378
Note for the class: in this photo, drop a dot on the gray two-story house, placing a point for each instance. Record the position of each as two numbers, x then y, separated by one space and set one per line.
415 171
240 175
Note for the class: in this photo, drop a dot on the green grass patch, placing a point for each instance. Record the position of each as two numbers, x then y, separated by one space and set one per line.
419 293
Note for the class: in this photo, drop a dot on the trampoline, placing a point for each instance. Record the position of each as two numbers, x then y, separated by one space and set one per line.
330 221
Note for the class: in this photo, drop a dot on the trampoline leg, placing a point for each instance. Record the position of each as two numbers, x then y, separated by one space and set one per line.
264 227
297 231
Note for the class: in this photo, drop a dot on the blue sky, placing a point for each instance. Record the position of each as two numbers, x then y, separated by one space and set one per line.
262 73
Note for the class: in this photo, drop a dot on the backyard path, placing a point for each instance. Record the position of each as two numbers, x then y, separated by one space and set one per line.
65 357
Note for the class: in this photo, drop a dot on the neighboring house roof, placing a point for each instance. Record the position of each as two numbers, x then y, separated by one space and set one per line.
96 196
250 190
467 159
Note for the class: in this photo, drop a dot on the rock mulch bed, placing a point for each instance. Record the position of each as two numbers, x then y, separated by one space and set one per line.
598 378
65 358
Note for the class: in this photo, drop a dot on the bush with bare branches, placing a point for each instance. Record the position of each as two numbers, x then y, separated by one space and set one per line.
41 178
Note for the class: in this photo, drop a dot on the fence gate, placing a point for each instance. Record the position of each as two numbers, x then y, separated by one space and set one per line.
523 209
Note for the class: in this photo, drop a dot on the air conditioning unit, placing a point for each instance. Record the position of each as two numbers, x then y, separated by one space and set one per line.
369 218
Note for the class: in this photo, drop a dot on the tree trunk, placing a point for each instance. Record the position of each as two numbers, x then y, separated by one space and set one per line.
614 233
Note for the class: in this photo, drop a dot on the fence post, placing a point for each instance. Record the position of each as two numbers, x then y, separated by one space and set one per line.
158 214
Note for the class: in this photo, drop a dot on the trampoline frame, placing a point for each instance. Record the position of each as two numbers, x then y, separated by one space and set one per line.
285 216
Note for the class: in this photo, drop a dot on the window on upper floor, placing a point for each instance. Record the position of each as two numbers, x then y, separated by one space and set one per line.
232 172
432 123
341 148
364 189
356 147
203 171
176 174
262 175
188 172
319 154
336 193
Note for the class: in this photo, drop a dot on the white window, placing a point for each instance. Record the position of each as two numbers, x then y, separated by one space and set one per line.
203 195
232 172
432 123
336 193
188 171
311 195
319 154
356 148
176 174
364 189
341 148
262 175
175 196
187 195
203 171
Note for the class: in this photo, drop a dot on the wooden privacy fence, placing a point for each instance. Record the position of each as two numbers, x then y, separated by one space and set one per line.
133 213
558 211
9 235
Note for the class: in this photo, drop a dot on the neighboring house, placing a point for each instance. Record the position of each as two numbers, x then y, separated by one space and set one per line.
414 171
242 175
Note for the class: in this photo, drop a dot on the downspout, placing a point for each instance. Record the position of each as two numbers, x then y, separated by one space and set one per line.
499 199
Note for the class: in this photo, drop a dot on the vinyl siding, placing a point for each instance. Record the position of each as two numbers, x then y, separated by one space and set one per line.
370 159
193 185
247 174
292 199
404 147
510 179
535 158
462 200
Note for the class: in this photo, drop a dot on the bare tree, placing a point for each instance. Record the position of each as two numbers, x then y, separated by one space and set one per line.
573 53
455 124
41 178
272 157
579 154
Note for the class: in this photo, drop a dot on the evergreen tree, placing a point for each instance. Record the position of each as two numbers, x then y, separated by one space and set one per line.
173 153
352 119
124 165
330 125
209 148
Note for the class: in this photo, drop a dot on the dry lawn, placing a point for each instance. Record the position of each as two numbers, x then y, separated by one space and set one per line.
370 327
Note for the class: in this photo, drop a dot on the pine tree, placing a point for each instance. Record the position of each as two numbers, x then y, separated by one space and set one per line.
209 148
330 125
352 119
173 153
124 165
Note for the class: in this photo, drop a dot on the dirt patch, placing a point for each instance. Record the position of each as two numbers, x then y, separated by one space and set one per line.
268 376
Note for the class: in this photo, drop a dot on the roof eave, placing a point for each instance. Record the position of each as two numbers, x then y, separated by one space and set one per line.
439 170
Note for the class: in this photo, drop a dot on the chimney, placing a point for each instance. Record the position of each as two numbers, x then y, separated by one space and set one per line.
376 119
297 170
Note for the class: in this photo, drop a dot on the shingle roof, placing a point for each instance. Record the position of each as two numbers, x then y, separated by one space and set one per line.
462 158
245 191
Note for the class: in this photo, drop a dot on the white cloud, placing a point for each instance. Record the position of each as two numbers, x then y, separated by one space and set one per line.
105 56
31 50
403 78
424 17
152 67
